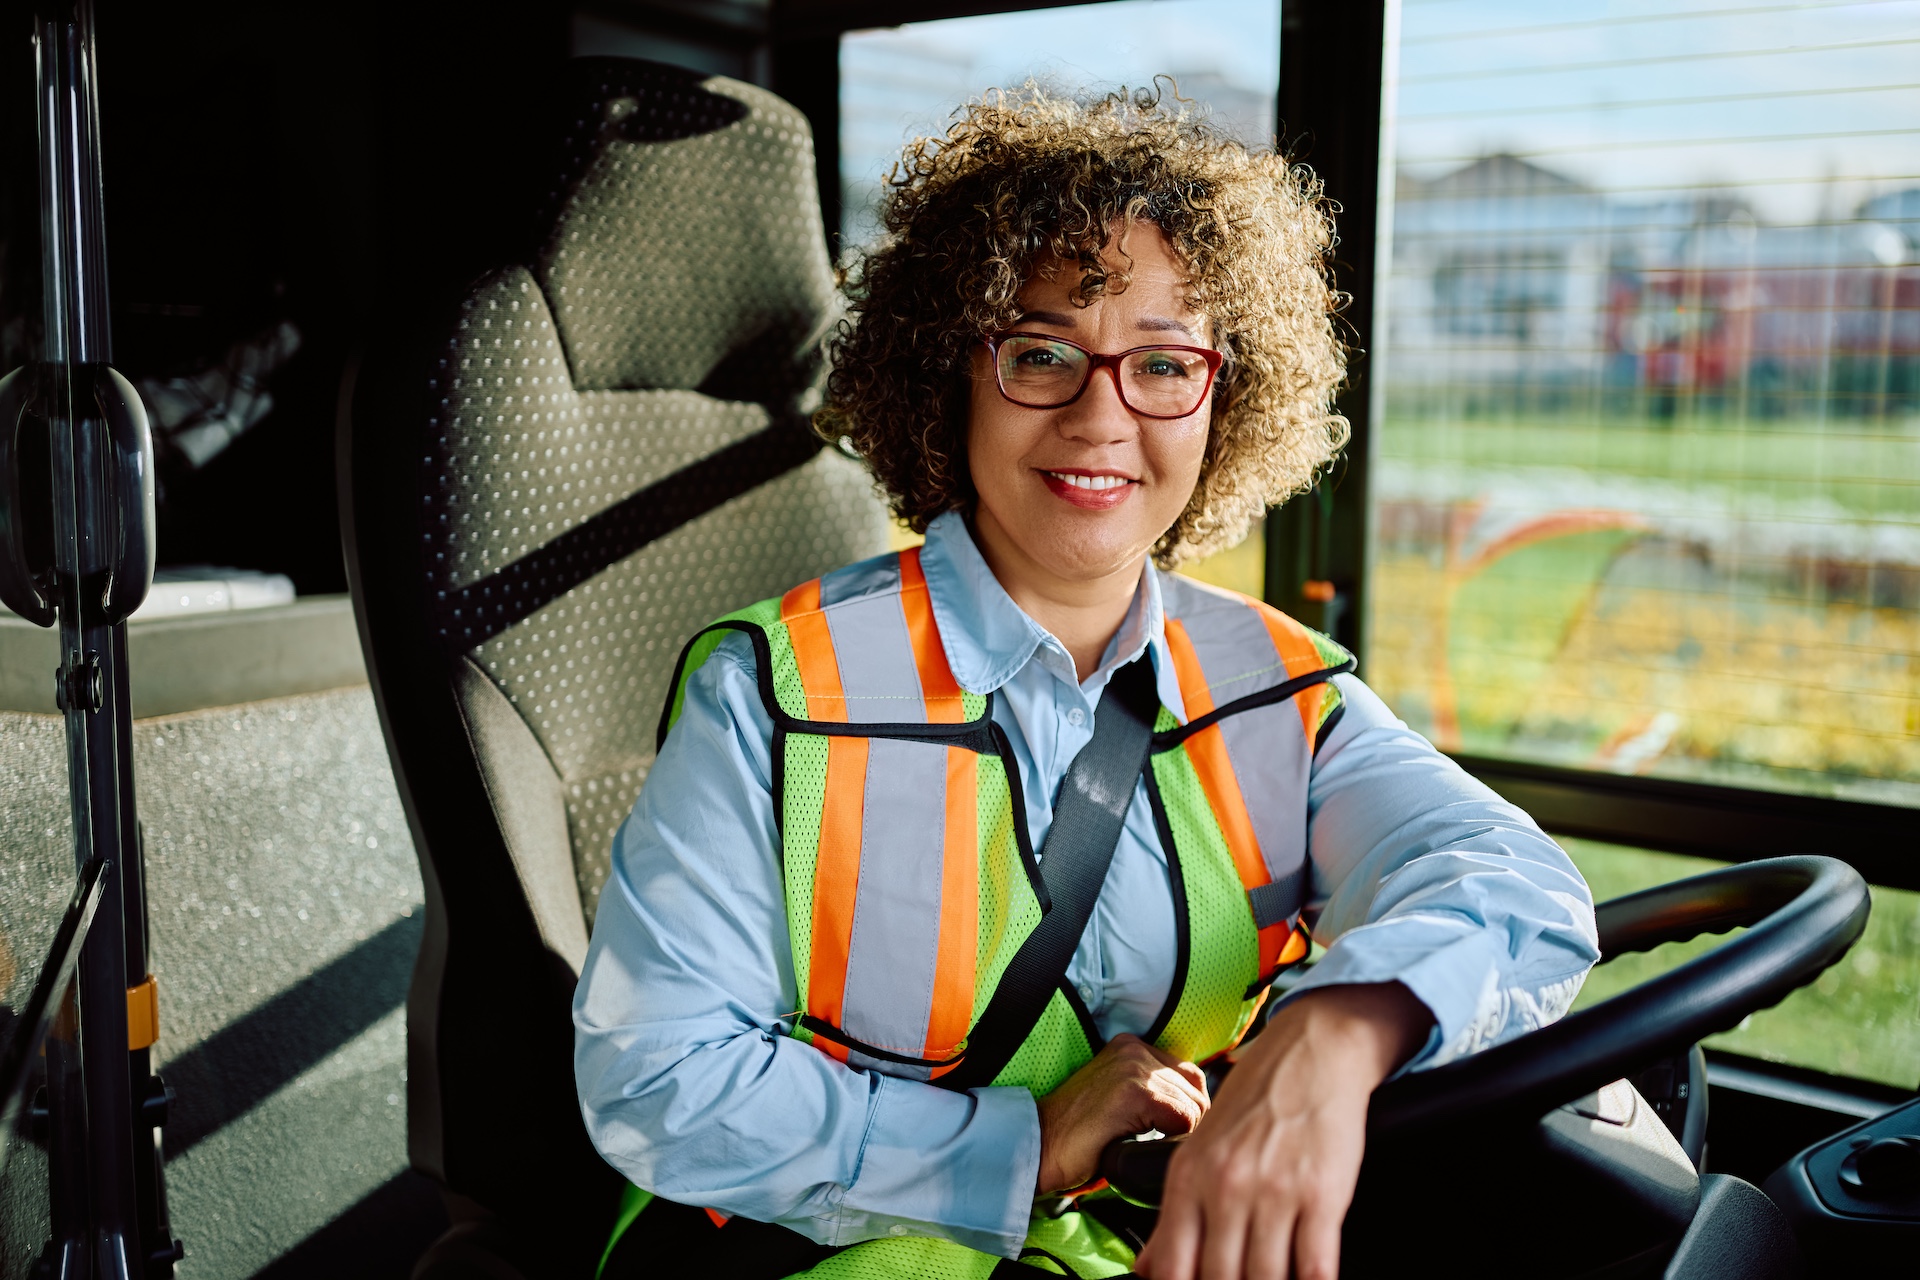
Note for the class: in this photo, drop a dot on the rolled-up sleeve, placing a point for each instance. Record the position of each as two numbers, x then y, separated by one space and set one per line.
1423 875
687 1082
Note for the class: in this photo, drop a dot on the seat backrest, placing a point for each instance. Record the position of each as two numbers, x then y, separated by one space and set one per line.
601 449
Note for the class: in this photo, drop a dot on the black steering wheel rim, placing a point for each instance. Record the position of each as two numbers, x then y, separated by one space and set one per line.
1801 915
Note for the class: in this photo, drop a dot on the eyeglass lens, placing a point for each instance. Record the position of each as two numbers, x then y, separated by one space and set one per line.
1043 374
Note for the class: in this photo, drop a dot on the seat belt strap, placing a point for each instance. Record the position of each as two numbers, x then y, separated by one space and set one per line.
1087 821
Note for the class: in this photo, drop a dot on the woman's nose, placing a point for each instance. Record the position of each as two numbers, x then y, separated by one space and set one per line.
1100 415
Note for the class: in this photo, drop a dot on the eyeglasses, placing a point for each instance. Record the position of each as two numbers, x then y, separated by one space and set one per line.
1036 371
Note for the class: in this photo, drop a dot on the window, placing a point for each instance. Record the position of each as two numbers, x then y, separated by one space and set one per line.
1647 450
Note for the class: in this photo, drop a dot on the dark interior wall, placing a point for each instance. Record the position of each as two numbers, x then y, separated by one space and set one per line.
329 165
339 166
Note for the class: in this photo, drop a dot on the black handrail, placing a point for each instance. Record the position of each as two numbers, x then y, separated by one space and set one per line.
77 547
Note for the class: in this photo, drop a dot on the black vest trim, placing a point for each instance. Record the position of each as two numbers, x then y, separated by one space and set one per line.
1173 737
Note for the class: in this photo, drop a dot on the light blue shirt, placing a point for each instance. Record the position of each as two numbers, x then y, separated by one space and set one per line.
691 1087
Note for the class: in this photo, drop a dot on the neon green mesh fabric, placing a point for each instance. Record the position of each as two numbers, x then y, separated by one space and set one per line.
1225 950
1009 911
906 1259
764 615
1052 1051
1075 1239
804 795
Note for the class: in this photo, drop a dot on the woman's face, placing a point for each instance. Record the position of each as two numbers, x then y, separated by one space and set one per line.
1083 491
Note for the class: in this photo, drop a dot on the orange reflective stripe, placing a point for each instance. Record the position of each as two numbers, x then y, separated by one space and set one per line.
1297 944
813 653
937 685
1208 751
1298 652
1186 669
836 883
952 1011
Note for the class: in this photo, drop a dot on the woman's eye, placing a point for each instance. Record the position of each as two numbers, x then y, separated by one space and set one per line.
1163 367
1041 360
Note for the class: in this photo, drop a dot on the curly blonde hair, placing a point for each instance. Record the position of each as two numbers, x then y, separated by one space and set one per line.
1028 178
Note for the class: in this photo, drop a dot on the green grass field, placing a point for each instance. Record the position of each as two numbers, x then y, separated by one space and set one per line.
1866 472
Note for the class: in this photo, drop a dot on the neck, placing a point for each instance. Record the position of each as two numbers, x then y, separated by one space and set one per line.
1082 613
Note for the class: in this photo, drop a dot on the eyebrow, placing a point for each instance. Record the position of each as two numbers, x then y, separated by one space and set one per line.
1152 324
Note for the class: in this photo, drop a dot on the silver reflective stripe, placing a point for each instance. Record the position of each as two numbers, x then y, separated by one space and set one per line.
1272 765
875 653
896 914
1235 651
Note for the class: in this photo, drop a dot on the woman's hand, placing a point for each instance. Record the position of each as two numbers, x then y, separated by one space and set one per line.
1128 1088
1261 1188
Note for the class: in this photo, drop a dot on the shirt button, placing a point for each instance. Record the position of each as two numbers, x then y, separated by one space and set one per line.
1076 717
1086 992
897 1229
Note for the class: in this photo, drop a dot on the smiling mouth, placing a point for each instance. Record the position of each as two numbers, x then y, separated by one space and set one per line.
1091 483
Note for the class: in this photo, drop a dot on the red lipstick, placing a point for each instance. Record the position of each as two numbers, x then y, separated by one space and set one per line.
1096 490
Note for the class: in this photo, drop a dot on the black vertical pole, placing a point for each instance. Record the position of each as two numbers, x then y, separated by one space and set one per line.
1332 57
101 478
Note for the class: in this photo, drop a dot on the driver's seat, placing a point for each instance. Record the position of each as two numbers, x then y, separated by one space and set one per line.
547 488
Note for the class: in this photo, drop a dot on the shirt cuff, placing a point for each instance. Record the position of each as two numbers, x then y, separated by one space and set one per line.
1447 965
962 1166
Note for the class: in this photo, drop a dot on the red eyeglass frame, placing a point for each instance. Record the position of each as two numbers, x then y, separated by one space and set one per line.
1095 362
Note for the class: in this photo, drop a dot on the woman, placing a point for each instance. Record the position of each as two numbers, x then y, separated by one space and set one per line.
1096 342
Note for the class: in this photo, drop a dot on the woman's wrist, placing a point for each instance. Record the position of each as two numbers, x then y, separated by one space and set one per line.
1377 1026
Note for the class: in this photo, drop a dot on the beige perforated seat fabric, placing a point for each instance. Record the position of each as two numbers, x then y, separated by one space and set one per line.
602 449
574 384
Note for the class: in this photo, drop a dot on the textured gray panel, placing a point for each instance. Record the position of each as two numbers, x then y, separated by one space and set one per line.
37 872
278 862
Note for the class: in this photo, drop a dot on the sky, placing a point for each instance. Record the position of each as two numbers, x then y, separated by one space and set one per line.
1804 109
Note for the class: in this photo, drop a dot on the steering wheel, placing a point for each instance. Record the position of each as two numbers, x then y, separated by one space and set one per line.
1801 914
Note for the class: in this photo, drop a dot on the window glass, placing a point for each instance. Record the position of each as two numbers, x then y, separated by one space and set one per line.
1648 442
905 82
1860 1018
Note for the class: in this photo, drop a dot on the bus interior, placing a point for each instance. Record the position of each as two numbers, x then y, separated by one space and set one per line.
391 389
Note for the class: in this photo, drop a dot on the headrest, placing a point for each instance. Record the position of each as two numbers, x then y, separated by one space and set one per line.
685 248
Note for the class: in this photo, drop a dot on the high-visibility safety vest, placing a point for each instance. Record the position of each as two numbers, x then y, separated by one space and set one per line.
911 880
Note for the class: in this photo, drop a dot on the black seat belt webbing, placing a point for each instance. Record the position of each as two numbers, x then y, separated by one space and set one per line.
1087 821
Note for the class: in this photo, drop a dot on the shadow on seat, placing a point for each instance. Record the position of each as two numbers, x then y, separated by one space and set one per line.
546 489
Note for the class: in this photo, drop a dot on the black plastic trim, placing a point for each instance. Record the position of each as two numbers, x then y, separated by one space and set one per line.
1735 824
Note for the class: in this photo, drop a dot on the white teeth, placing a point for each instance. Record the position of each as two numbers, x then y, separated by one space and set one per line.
1091 482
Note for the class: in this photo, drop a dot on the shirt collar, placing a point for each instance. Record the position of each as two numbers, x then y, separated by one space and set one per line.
988 638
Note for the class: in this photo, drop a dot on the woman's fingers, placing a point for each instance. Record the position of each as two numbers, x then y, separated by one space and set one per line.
1316 1244
1173 1252
1272 1241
